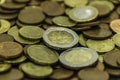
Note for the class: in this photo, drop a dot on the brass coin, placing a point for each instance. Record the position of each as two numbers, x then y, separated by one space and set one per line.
13 74
4 67
93 74
6 37
52 8
10 5
10 49
113 71
97 33
111 58
115 25
61 74
36 15
8 16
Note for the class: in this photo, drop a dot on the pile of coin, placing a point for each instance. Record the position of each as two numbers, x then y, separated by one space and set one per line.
59 40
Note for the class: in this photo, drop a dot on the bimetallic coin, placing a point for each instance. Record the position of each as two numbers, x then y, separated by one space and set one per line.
79 57
60 38
83 13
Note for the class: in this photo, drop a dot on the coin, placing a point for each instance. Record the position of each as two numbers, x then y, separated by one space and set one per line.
101 45
111 57
21 1
82 40
4 67
5 25
36 15
78 57
31 32
63 21
116 39
10 5
13 74
104 7
6 51
42 55
52 8
97 33
113 71
83 13
114 25
54 38
94 74
75 3
36 71
61 74
6 37
14 32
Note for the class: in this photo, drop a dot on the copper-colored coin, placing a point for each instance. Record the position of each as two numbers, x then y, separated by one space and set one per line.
61 74
93 74
10 49
115 25
35 15
111 57
6 37
4 11
52 8
10 5
8 16
104 26
34 2
113 71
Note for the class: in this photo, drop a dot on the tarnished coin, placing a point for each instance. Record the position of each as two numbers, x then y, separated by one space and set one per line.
111 58
63 21
115 25
60 38
78 57
75 3
31 32
10 5
13 74
101 45
14 31
4 67
41 54
104 7
83 13
4 25
8 16
4 11
52 8
61 74
97 33
36 71
6 37
10 49
36 15
93 74
113 71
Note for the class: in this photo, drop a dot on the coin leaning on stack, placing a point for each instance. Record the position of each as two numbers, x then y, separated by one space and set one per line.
59 40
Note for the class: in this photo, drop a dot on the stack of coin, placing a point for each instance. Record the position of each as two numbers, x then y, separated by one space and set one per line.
59 40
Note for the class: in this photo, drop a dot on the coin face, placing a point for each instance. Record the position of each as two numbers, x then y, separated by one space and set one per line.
83 74
83 14
60 37
41 54
6 51
115 25
79 57
34 71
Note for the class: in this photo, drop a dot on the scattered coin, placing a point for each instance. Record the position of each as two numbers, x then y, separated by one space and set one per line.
79 57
